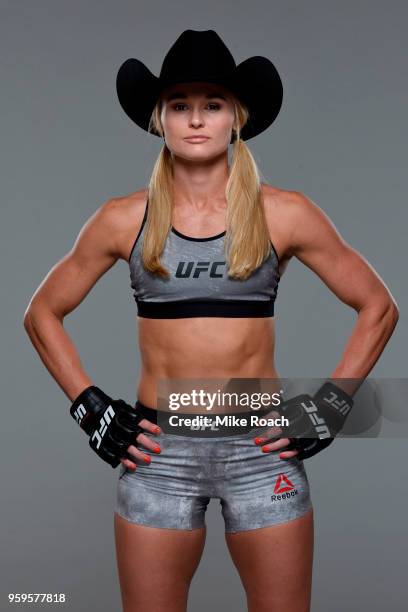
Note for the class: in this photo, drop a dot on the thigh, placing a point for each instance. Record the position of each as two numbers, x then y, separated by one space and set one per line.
275 564
160 528
156 565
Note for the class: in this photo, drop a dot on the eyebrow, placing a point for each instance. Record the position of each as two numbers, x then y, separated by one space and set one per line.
180 94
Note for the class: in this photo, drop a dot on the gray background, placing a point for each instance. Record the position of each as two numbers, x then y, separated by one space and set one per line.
67 146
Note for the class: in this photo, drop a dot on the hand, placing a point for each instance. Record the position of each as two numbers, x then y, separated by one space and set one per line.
313 422
112 426
144 440
327 411
270 440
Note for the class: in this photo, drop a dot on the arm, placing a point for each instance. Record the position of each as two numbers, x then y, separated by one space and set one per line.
315 242
63 289
112 425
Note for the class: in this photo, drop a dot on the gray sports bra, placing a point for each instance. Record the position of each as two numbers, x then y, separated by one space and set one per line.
198 285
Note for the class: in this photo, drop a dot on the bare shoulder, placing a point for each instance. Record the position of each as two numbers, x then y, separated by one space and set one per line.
123 216
290 215
287 202
280 212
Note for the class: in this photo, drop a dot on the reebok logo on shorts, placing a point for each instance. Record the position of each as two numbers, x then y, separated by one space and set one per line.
284 488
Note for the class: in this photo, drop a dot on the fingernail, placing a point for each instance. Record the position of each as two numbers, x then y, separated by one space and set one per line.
157 430
258 440
265 449
157 449
147 459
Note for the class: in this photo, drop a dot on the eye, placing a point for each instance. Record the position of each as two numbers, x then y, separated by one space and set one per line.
214 105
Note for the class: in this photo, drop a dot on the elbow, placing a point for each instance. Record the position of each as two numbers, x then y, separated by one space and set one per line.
33 313
384 312
36 313
394 312
27 320
390 313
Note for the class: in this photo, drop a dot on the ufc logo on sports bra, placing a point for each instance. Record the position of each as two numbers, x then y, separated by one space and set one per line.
193 269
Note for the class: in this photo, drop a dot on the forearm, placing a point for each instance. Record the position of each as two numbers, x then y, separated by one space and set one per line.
57 351
370 335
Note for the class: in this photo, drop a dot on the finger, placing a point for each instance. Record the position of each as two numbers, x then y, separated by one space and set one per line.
288 454
147 442
268 434
128 464
150 427
139 455
275 446
268 437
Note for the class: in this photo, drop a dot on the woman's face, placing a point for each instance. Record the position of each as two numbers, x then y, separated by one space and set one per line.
197 109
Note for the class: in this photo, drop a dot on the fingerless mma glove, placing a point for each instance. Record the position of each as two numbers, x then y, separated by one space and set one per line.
112 425
315 421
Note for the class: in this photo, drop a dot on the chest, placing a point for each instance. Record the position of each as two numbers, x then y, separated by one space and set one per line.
198 269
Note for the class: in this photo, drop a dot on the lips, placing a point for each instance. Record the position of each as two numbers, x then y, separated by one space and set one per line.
196 138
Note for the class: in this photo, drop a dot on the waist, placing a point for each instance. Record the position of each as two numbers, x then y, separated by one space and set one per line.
203 348
175 347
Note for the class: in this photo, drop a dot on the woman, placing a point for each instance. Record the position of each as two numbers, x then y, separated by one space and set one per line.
202 318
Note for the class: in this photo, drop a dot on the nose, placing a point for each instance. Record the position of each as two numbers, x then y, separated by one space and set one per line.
196 118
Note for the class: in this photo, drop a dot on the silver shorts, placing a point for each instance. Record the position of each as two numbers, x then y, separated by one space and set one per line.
255 489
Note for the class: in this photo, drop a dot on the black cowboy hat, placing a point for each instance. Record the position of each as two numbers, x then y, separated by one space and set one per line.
203 56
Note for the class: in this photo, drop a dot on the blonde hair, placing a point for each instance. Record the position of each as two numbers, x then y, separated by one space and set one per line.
247 241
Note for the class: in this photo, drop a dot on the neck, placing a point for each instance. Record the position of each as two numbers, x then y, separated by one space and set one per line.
196 184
